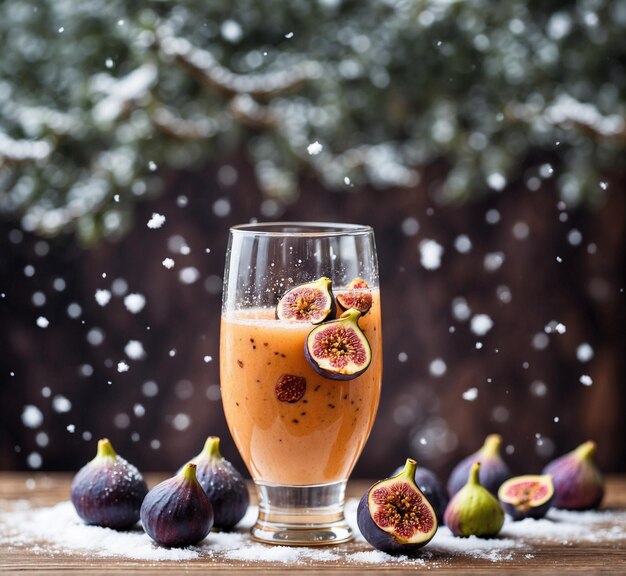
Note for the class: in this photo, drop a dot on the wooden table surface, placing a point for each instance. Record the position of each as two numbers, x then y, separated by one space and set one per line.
549 557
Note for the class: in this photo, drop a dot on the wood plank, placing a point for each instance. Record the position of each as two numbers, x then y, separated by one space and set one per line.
546 558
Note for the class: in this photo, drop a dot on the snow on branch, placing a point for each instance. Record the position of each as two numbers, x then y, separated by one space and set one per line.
37 120
247 111
566 111
217 78
122 94
182 129
19 151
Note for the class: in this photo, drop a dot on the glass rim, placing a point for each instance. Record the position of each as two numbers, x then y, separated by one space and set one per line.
301 229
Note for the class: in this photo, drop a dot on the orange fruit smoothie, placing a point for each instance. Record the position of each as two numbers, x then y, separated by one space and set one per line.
291 425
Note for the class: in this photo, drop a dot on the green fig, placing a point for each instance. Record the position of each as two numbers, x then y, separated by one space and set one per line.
474 510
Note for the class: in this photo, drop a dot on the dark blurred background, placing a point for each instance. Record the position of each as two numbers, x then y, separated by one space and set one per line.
485 145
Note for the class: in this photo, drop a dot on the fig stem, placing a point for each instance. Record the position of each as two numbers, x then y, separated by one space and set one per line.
105 449
473 474
408 472
211 448
586 450
189 472
352 314
492 444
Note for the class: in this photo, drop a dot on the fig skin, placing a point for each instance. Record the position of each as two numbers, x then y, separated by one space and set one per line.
108 491
431 486
350 318
493 471
473 510
293 308
578 483
223 484
177 513
388 542
532 505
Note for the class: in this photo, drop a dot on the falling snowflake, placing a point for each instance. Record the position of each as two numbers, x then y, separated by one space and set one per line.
471 394
43 322
493 261
554 326
480 324
134 350
150 389
584 352
430 254
122 366
168 263
437 367
231 31
410 226
32 417
314 148
103 297
189 275
135 302
34 460
463 244
61 404
460 310
585 380
181 422
156 221
496 181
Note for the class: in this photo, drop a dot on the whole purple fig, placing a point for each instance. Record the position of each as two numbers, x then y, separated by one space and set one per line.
177 512
578 483
430 485
394 516
108 491
223 484
493 470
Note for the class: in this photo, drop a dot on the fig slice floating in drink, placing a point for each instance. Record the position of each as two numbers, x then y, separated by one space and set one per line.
339 349
290 388
358 295
312 302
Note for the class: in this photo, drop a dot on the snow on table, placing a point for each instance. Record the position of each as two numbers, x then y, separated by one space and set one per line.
57 530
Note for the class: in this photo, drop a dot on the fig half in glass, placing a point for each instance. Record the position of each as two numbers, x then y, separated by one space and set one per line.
299 429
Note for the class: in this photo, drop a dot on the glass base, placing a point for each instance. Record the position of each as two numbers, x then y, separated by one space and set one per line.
301 515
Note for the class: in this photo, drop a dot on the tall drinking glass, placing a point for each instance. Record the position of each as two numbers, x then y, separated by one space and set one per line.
299 448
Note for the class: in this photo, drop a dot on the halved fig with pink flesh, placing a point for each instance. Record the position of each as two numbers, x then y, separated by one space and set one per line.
358 295
395 516
527 496
339 349
312 302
